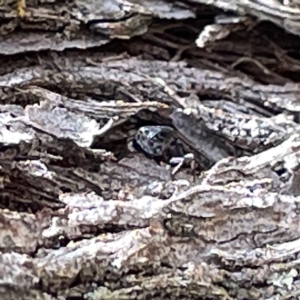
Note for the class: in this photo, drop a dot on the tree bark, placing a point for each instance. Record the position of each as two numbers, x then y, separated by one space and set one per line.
150 149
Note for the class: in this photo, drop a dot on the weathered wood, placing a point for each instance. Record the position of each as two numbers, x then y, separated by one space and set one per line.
150 149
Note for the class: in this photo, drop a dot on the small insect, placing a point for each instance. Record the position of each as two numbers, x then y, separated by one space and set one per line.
154 139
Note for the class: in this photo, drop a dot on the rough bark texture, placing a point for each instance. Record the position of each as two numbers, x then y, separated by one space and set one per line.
150 149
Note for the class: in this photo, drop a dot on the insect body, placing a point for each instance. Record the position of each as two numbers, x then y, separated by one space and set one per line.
154 139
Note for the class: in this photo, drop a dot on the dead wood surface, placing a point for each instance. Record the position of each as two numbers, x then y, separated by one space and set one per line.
150 149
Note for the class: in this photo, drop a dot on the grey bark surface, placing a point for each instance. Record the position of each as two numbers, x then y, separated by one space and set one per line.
150 149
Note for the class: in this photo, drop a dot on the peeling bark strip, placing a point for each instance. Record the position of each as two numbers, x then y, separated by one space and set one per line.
285 15
149 149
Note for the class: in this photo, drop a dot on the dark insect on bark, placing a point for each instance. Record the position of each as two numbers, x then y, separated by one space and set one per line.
154 139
